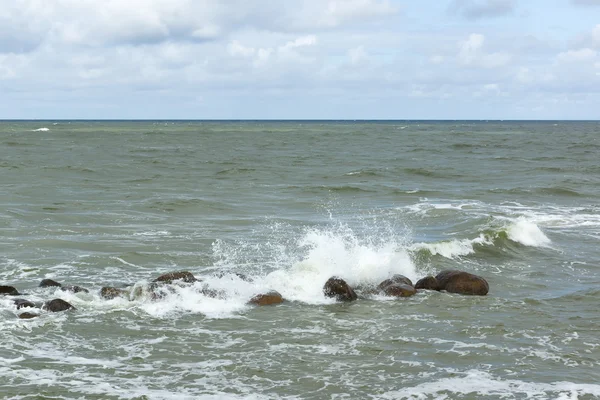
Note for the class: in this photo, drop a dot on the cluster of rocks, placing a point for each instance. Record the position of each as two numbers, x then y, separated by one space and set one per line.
452 281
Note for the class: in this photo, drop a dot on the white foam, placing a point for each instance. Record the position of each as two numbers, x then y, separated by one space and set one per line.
453 248
482 383
527 233
41 130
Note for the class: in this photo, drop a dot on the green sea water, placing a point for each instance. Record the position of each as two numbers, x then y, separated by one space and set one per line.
290 204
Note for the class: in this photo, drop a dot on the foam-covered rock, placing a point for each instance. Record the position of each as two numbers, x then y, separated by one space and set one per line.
184 276
57 305
396 279
110 293
338 288
28 315
22 303
49 283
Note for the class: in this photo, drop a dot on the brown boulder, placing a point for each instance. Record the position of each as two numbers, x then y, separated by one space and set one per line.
110 293
399 290
185 276
22 303
49 283
28 315
461 282
338 288
57 305
427 283
267 299
8 290
396 279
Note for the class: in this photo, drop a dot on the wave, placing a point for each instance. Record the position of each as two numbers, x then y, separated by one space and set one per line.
520 232
41 130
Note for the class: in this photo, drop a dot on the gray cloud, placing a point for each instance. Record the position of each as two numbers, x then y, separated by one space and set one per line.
477 9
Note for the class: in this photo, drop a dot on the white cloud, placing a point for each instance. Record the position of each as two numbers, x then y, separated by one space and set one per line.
358 55
471 53
575 56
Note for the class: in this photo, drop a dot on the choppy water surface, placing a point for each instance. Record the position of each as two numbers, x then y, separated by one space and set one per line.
291 204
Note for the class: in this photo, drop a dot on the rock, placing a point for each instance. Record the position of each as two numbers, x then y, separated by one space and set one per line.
49 283
427 283
22 303
399 290
461 282
28 315
339 289
8 290
57 305
74 289
267 299
395 279
185 276
110 293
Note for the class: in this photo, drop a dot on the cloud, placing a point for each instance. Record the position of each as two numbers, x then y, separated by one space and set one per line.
477 9
471 53
576 56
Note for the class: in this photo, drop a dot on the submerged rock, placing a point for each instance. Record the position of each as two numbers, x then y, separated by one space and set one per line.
184 276
22 303
396 279
49 283
338 288
57 305
74 289
8 291
28 315
461 282
427 283
110 293
267 299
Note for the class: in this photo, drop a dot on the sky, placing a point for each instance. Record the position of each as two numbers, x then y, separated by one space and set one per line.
300 59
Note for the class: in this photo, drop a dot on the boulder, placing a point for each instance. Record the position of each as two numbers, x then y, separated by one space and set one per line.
28 315
399 290
74 289
184 276
110 293
395 279
267 299
427 283
22 303
57 305
49 283
8 290
461 282
338 288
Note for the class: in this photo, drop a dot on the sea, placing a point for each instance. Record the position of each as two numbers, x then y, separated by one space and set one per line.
253 206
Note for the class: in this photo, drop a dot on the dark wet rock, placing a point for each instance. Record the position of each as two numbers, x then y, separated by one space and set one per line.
28 315
399 290
184 276
110 293
74 289
57 305
461 282
49 283
22 303
8 290
267 299
338 288
394 280
427 283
